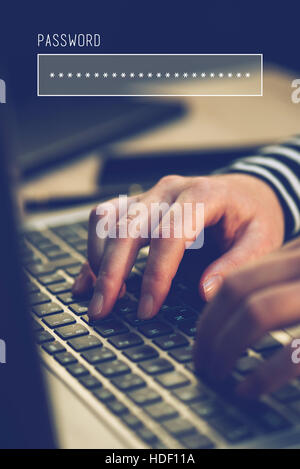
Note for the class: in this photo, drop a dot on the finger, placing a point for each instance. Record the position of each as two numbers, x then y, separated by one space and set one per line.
120 253
271 375
260 313
274 269
84 282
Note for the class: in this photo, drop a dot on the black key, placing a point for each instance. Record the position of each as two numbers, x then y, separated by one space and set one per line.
145 396
126 340
117 407
79 308
110 327
38 270
60 288
112 369
58 320
129 382
207 409
266 343
146 435
43 337
179 314
268 417
36 326
73 271
182 355
32 287
287 394
38 298
179 427
57 254
246 364
192 393
90 382
131 421
47 247
53 347
171 341
68 332
188 327
197 441
133 320
231 428
161 411
51 279
46 309
99 355
154 367
65 358
77 370
85 343
155 329
172 380
139 354
66 298
104 395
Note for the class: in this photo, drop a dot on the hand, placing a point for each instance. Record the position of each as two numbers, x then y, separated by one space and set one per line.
247 220
260 298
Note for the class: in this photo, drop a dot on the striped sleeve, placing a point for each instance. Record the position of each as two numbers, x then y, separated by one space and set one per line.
279 166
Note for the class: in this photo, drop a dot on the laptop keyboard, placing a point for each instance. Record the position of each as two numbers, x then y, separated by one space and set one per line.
142 371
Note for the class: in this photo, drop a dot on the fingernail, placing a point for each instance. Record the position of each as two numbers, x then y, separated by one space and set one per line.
211 286
95 306
145 306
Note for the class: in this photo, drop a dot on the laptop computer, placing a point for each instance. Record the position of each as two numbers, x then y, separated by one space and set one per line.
127 383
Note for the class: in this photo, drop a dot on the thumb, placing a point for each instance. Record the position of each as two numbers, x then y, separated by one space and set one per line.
248 247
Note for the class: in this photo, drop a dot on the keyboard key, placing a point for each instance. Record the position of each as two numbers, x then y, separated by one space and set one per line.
188 327
53 347
268 417
111 327
172 380
182 355
117 407
85 343
126 340
155 329
77 370
68 332
131 421
133 320
179 427
43 337
104 395
179 314
65 358
73 271
207 409
232 429
154 367
197 441
32 287
38 270
171 341
287 394
46 309
192 393
266 343
56 254
66 298
161 411
38 298
58 320
90 382
60 288
139 354
145 396
112 369
146 435
79 308
247 364
36 326
129 382
99 355
51 279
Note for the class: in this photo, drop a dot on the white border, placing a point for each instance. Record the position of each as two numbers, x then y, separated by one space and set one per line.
150 95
